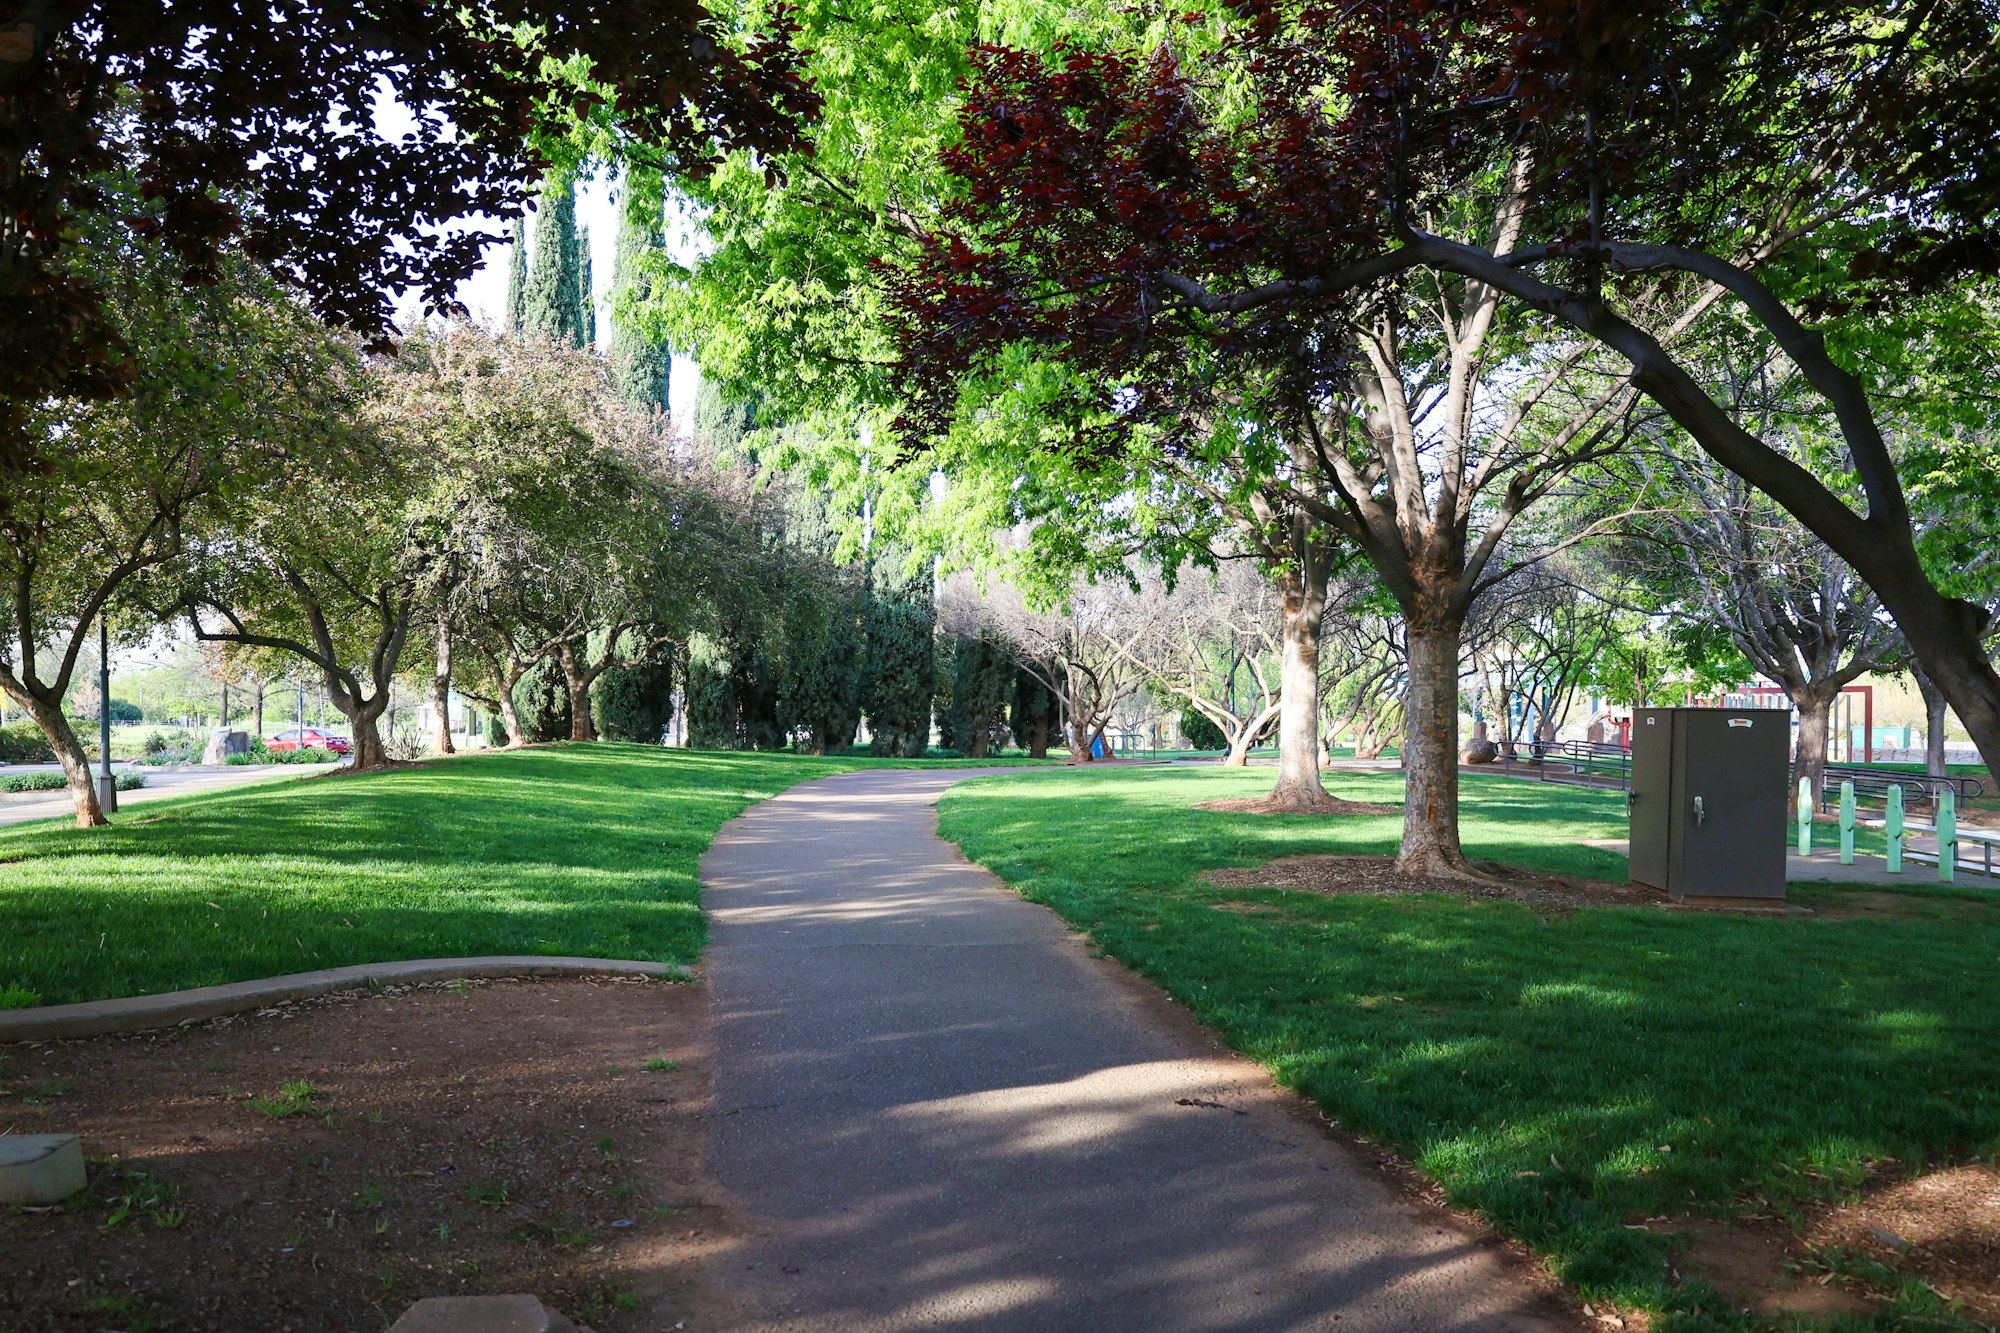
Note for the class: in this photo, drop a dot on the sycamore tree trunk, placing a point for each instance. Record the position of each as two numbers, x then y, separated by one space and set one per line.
1298 784
1247 736
75 764
1430 750
257 711
1815 711
441 691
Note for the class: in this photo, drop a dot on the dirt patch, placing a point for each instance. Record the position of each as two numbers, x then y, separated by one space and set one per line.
1264 805
1758 1265
1378 876
324 1164
1943 1228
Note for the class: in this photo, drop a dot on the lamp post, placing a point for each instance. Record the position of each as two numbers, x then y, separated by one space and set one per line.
107 786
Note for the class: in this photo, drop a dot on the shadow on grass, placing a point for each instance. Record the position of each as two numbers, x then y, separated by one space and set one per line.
1565 1077
559 850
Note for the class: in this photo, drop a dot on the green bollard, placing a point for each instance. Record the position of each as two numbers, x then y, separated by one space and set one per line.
1947 824
1805 816
1892 829
1847 823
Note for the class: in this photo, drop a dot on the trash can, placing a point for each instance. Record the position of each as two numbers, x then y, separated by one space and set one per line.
1708 801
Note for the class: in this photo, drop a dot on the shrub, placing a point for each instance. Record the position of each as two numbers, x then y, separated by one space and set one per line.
23 743
1201 732
19 782
155 743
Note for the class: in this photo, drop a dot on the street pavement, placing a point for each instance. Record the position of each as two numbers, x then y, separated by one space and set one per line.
939 1112
160 784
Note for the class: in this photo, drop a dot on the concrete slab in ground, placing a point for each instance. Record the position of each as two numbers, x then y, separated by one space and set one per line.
1824 865
938 1111
40 1168
481 1314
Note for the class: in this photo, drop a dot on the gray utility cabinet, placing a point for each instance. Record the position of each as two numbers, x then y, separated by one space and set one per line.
1708 800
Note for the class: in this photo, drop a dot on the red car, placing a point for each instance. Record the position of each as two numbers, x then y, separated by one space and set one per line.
308 738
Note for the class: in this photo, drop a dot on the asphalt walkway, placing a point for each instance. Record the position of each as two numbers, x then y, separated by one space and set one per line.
939 1112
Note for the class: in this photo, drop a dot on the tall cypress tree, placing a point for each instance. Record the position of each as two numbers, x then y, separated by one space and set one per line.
901 621
723 422
517 277
586 290
552 307
639 367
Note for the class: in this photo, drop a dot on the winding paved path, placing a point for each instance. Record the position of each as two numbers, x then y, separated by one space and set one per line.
938 1112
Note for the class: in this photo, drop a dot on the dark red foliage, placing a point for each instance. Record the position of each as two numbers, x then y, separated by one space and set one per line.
254 123
1111 217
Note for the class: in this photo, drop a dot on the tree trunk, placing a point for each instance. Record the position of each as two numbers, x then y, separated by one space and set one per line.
1814 713
257 711
1298 695
1935 713
369 751
75 764
441 691
582 727
1430 752
975 748
1038 739
510 720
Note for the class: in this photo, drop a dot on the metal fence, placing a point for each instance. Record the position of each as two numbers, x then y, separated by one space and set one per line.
1577 763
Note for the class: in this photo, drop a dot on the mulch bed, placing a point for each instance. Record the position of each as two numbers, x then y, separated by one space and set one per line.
1377 876
437 1140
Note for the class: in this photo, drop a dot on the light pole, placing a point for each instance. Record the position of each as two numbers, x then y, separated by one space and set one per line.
107 786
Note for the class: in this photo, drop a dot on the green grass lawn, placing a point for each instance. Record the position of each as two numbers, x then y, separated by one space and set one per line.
560 850
1569 1077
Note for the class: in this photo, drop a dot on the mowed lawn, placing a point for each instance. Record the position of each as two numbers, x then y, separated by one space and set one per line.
587 849
1571 1077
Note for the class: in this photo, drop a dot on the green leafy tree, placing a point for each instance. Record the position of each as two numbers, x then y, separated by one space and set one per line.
237 396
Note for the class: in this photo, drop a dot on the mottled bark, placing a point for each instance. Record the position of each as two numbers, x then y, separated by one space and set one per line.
1430 751
1298 783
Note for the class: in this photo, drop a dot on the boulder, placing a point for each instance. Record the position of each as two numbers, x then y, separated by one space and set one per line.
222 742
1481 752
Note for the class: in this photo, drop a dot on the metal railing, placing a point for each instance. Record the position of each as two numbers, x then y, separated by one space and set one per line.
1577 763
1872 785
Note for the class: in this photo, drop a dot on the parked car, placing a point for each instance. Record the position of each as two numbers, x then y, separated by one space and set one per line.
308 738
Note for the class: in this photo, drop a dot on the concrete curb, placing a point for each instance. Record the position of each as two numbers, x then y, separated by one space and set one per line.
138 1013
